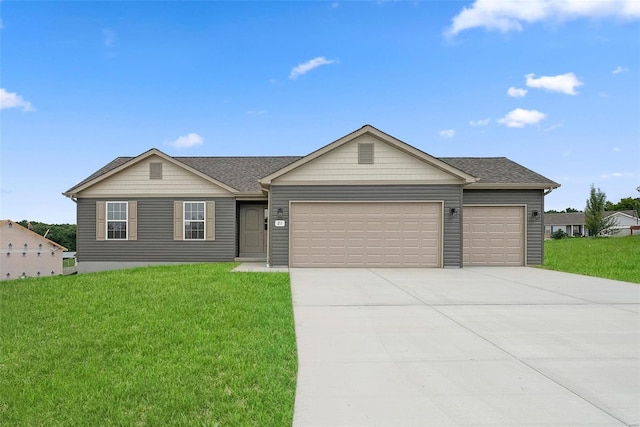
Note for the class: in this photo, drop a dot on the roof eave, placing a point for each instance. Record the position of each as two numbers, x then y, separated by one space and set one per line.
511 186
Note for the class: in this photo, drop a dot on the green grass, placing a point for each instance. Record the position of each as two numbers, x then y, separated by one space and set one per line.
171 345
612 258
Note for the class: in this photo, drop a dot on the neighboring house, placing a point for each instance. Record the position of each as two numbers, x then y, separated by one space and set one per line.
26 253
366 199
573 224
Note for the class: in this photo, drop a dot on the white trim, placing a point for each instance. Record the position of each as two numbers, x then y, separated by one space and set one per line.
204 221
369 182
106 219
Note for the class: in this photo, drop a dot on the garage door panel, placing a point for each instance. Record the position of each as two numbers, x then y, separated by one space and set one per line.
366 234
493 235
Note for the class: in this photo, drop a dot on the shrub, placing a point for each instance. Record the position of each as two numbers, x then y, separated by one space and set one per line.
559 234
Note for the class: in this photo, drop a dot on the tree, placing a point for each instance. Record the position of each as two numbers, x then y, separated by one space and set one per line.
625 204
595 220
63 234
568 210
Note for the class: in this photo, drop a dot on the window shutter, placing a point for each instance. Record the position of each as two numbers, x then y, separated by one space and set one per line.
365 153
132 232
178 223
210 225
101 224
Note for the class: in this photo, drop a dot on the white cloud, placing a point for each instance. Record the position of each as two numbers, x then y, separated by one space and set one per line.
187 141
255 112
448 133
617 175
335 5
509 15
565 83
483 122
13 100
616 149
554 127
305 67
516 92
620 69
519 118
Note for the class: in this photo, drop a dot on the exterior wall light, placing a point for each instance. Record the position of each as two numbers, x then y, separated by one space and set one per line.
453 211
279 213
535 214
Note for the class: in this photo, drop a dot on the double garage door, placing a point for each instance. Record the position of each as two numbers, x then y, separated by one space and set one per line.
400 234
365 234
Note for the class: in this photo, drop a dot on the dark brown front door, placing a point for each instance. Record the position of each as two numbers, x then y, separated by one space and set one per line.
252 231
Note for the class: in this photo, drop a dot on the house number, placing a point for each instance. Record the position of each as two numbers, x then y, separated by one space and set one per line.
280 223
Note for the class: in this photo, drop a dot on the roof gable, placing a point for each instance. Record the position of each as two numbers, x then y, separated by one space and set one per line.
123 163
399 161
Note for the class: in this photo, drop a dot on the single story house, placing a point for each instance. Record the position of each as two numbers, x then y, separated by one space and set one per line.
366 199
573 223
26 253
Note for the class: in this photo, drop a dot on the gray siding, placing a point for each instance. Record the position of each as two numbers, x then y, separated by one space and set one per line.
450 194
534 199
155 235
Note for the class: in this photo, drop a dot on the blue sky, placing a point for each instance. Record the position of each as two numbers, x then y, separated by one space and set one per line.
554 86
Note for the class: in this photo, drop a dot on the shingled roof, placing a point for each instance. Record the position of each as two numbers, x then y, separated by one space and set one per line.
243 173
497 170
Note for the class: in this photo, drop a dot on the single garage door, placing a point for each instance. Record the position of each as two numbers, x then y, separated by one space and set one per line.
365 234
493 235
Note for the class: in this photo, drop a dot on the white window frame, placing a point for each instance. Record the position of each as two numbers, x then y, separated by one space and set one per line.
107 220
185 220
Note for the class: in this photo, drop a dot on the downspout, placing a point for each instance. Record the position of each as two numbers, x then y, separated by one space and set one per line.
268 226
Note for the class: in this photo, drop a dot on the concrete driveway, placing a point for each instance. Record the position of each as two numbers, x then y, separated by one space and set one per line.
465 347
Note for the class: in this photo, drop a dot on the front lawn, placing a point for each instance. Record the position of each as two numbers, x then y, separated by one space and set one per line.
171 345
613 257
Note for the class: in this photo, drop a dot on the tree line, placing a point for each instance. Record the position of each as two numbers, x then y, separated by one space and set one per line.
62 234
625 204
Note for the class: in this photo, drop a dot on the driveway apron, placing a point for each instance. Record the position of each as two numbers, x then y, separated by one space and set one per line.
465 347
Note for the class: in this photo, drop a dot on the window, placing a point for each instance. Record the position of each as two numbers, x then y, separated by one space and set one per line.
194 220
116 220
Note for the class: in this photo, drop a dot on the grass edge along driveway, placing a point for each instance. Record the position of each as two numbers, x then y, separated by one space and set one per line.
615 258
169 345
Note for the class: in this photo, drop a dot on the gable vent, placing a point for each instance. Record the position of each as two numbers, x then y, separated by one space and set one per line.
155 170
365 153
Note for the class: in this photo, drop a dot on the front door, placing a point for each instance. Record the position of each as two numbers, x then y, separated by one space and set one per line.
253 232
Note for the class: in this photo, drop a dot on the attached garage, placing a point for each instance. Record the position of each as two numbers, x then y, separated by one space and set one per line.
365 234
493 235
